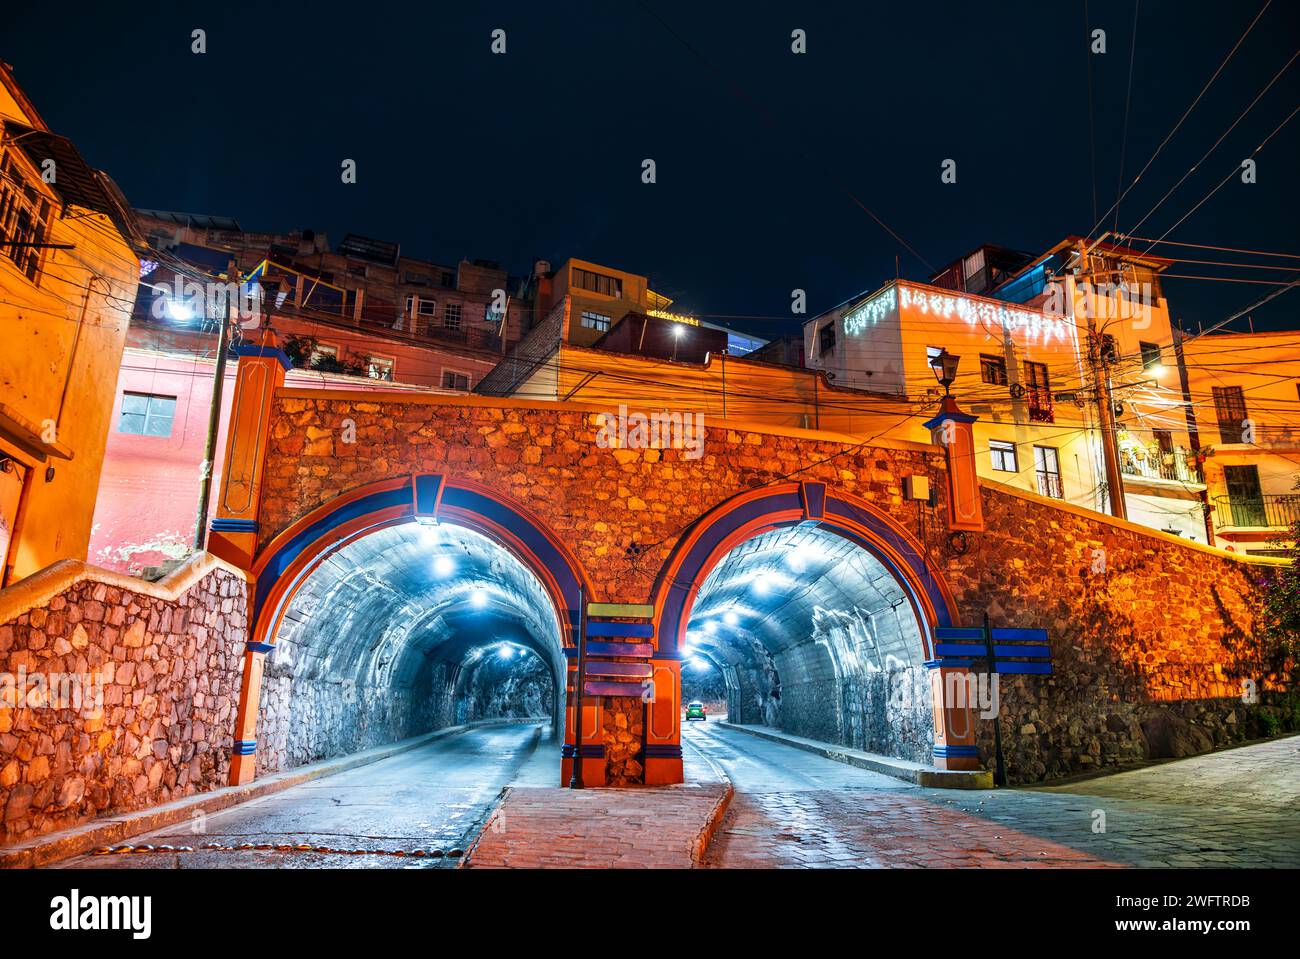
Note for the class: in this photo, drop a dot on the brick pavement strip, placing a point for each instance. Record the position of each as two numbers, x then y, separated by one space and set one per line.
636 828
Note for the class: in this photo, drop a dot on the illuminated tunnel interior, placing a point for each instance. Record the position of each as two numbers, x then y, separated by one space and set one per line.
813 635
409 629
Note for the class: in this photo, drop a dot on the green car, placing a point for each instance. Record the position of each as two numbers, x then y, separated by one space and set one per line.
695 710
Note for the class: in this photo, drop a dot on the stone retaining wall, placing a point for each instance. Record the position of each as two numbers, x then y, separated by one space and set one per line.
169 672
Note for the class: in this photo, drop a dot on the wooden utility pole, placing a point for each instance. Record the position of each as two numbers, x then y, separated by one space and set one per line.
1105 402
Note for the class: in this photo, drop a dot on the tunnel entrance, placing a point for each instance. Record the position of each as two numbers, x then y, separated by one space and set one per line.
402 631
814 635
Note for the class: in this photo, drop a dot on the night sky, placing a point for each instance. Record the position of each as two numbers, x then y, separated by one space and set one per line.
762 156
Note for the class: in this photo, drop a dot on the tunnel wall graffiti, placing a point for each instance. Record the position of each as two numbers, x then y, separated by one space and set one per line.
166 659
1161 633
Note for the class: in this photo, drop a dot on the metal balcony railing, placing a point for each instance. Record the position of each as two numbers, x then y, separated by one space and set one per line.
1177 465
1049 484
1039 402
1269 511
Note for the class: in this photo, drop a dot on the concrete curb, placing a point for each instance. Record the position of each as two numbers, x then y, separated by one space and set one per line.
487 824
51 848
902 769
700 845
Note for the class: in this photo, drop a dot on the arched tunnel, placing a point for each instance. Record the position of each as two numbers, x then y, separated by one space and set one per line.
812 634
406 630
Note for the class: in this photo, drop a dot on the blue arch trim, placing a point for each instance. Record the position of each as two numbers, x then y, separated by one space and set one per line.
468 500
724 525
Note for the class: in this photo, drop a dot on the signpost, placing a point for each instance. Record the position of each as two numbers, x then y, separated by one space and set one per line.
1004 651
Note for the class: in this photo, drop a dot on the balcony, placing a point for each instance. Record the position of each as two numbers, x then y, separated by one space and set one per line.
1039 402
1269 511
1150 462
1049 484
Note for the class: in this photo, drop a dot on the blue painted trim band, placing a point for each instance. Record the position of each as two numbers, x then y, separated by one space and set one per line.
943 752
1036 669
589 751
960 649
959 632
220 525
280 355
663 751
636 630
469 501
245 747
792 501
934 424
949 663
1032 635
255 647
1026 651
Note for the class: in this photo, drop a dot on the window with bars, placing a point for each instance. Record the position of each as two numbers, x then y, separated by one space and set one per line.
826 339
24 220
1038 394
1047 471
146 414
451 316
1151 355
1230 411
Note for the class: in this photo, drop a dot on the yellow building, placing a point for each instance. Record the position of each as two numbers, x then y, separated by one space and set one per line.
1031 368
68 279
1245 391
595 298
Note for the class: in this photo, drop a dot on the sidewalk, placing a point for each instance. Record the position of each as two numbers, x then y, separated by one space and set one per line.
928 776
652 827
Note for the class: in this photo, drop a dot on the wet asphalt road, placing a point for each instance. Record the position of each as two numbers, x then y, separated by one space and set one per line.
431 798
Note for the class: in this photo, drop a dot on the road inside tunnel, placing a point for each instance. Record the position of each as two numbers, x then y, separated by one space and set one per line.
432 799
804 630
405 630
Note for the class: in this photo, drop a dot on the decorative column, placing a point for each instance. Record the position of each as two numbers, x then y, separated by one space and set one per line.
663 733
954 720
232 534
953 430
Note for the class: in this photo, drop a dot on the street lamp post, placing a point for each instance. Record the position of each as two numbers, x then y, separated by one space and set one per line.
945 369
575 777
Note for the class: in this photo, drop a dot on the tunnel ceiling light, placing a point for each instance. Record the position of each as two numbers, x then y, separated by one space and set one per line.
444 566
479 598
711 626
696 662
803 555
769 580
731 617
507 651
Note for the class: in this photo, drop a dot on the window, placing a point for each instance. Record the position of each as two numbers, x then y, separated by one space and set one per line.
449 279
1047 471
1245 497
1164 440
379 367
1230 410
144 414
1151 357
420 304
595 321
826 339
416 279
451 316
24 220
1038 394
1003 455
455 380
597 283
993 369
320 351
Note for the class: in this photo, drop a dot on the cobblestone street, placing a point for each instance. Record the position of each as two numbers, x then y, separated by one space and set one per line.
792 809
